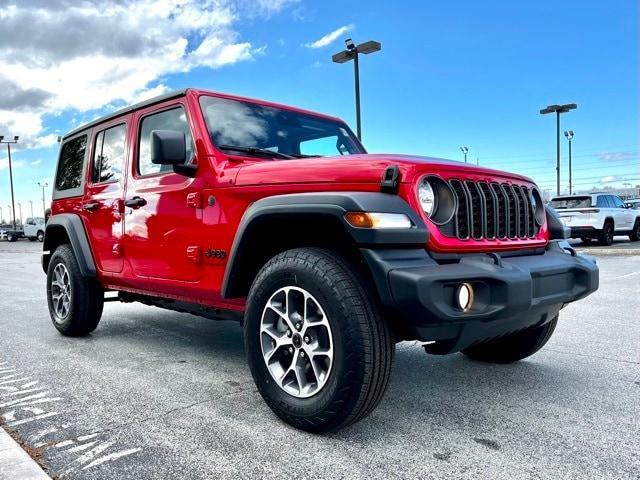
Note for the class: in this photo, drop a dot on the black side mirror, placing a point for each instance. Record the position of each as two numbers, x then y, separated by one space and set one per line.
169 147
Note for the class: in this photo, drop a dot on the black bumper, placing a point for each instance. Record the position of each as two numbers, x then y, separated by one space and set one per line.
586 232
511 292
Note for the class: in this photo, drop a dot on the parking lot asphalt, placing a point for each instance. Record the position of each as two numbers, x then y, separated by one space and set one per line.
153 394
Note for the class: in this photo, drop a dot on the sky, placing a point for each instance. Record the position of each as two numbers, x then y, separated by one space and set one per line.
450 74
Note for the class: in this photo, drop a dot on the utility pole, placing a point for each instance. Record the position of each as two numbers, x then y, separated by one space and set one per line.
558 109
464 150
569 135
8 142
352 53
43 185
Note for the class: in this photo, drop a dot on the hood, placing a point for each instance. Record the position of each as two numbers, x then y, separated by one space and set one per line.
365 168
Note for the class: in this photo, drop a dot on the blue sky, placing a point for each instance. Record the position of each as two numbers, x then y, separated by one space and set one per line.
449 74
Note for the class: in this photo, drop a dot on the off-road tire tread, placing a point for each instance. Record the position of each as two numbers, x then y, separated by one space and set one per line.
514 347
87 296
348 288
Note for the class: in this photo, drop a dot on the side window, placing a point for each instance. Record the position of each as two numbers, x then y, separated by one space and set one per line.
617 202
69 174
174 119
109 155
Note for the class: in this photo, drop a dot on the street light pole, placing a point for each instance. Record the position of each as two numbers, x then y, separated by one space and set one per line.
464 150
558 109
569 135
43 185
15 140
31 205
352 53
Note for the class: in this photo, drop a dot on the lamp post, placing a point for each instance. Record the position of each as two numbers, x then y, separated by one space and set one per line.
9 142
464 150
558 109
31 206
43 185
351 53
569 135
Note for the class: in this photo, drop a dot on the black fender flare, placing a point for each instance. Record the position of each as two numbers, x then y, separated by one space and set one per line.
334 204
74 228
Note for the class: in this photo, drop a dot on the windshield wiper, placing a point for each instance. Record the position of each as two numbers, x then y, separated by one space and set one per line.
256 151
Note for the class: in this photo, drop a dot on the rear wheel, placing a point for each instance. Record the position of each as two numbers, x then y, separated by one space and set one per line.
634 236
75 302
514 347
40 236
12 237
605 237
319 351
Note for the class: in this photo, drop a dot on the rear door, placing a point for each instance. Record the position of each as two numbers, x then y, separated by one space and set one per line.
162 229
103 204
624 218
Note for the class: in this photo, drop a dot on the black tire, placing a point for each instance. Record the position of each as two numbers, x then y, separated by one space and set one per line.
40 236
11 237
514 347
86 297
634 236
605 236
362 342
586 240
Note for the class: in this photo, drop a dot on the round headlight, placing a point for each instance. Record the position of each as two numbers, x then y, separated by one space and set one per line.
426 197
538 206
437 199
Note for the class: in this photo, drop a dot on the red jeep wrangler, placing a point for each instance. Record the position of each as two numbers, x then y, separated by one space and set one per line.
233 208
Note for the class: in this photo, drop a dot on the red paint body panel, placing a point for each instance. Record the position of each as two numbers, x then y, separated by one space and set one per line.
162 245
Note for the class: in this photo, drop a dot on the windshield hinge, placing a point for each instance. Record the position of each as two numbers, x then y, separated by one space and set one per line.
390 179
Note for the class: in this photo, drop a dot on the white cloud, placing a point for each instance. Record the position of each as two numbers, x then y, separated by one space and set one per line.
94 54
330 37
35 162
610 178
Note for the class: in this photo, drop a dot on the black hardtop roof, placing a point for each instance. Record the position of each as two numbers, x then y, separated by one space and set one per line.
123 111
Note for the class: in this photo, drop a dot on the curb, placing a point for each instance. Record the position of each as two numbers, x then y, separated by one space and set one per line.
15 463
609 251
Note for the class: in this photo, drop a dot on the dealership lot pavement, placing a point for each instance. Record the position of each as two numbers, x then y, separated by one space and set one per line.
156 394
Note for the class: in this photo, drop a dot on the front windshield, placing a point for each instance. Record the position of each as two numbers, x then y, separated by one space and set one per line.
258 130
571 202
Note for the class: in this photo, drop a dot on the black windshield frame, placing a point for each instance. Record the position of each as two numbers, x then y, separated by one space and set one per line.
263 126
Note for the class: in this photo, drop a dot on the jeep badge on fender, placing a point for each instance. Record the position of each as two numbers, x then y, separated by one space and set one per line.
233 208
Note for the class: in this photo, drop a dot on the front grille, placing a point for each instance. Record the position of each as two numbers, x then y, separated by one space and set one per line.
492 210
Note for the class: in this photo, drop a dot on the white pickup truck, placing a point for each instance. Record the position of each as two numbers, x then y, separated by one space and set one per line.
33 229
598 216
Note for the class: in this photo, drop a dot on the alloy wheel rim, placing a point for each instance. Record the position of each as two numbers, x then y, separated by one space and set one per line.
296 342
61 292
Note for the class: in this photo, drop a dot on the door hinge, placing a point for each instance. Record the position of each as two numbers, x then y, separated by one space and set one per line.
193 200
193 254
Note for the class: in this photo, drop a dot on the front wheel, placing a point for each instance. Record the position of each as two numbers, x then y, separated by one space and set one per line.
40 236
319 351
514 347
75 302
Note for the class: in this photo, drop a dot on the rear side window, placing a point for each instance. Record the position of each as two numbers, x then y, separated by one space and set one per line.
603 202
109 155
71 162
174 119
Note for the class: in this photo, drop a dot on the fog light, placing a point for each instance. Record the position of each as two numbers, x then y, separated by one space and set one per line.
465 297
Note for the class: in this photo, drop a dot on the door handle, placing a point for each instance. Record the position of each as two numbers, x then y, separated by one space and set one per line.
135 202
90 206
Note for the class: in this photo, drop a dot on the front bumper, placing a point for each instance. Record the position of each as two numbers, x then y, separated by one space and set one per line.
511 292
